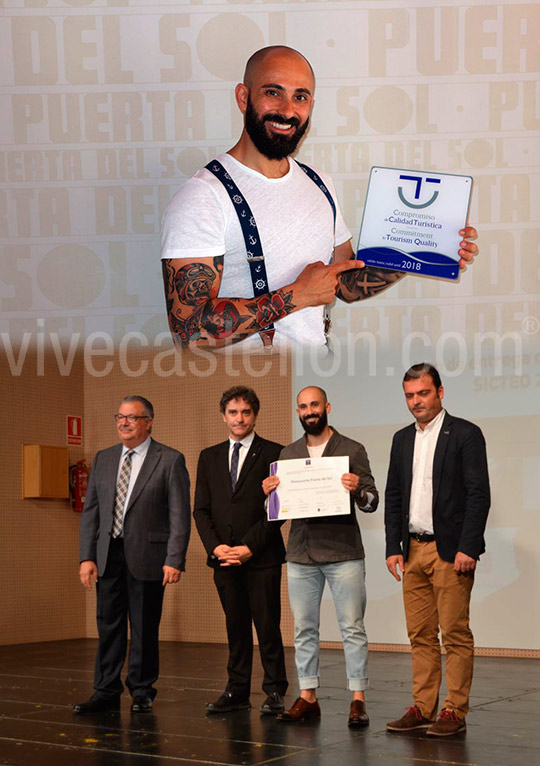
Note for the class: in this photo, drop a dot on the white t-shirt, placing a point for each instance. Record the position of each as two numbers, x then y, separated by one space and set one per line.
296 227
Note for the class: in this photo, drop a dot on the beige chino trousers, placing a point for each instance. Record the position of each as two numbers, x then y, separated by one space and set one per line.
435 596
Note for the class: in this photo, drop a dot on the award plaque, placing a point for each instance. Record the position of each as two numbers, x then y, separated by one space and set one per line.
412 220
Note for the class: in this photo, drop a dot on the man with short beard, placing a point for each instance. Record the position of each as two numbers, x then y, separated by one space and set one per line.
328 549
265 228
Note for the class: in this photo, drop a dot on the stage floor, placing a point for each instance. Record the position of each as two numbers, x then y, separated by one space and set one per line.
40 682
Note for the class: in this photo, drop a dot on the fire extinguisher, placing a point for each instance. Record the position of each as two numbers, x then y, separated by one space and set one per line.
78 482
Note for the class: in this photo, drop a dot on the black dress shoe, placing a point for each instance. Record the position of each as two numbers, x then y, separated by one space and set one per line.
273 704
227 702
141 704
97 703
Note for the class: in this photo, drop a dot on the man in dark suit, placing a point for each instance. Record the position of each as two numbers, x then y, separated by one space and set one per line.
245 551
436 506
133 537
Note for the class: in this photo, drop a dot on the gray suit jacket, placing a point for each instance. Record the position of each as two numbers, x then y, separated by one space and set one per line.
329 539
157 520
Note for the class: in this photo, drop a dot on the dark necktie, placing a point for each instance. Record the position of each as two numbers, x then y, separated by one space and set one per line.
121 491
234 464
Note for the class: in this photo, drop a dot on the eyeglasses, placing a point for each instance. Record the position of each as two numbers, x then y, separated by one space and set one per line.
130 418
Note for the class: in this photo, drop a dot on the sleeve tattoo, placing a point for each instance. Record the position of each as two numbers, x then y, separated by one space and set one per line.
196 313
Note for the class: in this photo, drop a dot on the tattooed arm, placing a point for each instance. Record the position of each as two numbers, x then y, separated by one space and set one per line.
198 317
362 282
366 281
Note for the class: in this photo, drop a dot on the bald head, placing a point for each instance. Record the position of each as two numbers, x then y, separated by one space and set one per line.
259 57
309 391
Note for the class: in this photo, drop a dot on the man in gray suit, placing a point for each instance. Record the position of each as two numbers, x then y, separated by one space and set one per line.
133 539
328 549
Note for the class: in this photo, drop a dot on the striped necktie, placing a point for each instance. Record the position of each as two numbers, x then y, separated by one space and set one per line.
121 492
234 464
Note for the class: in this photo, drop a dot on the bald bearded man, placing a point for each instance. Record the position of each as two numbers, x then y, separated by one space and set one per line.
254 245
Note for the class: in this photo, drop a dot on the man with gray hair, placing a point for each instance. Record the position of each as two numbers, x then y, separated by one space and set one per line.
133 539
436 506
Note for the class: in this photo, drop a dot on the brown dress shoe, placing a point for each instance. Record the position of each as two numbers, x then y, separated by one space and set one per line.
448 722
358 716
412 719
302 710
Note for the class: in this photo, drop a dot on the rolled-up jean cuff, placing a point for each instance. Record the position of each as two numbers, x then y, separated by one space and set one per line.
309 682
358 684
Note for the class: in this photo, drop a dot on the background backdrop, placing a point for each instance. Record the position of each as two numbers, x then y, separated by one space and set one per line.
106 107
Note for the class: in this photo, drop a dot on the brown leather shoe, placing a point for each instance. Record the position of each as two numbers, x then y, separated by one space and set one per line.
448 722
358 716
302 710
412 719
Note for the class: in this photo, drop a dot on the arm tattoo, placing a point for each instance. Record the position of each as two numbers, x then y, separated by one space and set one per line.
196 313
193 283
186 329
168 276
358 284
221 319
269 308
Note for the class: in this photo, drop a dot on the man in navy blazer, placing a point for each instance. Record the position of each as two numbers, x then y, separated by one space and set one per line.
436 506
244 549
133 539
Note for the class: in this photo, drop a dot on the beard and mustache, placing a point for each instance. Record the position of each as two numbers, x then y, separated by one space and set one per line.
314 424
273 147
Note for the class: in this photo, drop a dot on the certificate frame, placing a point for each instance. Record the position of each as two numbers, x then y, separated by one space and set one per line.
309 488
411 221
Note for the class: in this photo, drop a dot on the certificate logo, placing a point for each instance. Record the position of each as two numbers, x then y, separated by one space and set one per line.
417 180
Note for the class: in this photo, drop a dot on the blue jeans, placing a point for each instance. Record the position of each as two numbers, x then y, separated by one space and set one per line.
346 580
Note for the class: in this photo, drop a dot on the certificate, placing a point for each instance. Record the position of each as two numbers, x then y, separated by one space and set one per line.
309 487
411 221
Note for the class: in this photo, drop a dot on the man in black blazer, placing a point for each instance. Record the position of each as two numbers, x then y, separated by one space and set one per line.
245 551
133 539
436 505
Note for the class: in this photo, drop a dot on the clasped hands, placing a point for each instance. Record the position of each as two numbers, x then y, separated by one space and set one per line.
232 556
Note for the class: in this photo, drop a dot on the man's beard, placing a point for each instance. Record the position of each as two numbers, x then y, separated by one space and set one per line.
273 147
317 425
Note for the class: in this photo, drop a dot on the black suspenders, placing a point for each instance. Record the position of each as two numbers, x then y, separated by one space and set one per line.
252 240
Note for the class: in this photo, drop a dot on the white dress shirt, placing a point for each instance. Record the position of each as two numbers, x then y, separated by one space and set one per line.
137 459
242 454
421 503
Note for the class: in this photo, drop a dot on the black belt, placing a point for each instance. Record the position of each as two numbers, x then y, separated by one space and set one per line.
422 538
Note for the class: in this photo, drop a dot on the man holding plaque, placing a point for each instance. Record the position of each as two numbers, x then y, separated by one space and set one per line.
245 551
328 549
436 506
254 245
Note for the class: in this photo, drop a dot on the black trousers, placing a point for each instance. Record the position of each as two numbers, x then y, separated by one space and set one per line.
119 597
252 595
